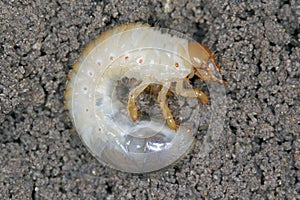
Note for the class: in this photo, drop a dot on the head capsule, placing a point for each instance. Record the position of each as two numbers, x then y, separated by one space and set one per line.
204 63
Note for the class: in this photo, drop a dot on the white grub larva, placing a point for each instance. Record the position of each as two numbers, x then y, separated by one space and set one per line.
106 111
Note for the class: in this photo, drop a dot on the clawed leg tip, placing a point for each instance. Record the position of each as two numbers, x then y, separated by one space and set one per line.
133 116
133 113
204 102
174 128
171 124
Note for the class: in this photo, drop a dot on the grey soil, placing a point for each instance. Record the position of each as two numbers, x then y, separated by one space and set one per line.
256 157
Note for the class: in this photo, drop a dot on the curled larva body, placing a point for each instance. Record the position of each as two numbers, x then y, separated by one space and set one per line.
117 133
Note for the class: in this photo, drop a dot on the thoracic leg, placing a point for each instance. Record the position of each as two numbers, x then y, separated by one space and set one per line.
193 93
133 95
167 115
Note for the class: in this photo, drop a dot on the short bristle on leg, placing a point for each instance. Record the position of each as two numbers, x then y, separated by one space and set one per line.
133 95
167 115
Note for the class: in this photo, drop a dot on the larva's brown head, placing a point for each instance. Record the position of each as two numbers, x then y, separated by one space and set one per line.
204 62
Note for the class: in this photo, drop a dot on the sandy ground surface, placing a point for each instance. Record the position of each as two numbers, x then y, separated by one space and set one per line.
257 157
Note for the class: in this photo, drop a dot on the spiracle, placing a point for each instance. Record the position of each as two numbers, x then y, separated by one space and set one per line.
131 99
